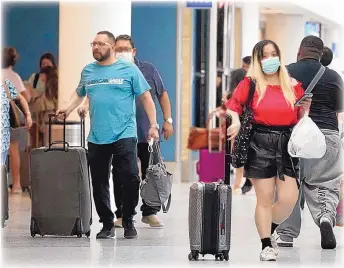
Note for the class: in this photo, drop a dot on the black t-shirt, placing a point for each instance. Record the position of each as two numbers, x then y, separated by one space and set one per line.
327 98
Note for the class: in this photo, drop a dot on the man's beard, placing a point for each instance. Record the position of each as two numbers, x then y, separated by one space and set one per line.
103 57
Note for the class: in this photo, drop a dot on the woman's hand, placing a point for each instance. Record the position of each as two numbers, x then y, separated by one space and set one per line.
306 104
233 130
28 120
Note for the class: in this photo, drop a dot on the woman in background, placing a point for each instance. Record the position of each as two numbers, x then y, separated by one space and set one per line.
9 59
47 102
36 82
9 93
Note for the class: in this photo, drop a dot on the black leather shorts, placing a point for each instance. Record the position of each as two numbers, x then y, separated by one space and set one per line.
268 154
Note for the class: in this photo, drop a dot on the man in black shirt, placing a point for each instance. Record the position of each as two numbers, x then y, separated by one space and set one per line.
320 177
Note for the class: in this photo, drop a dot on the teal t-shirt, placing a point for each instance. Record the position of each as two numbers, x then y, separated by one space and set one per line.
111 90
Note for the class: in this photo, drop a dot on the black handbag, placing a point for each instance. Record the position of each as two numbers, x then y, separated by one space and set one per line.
242 140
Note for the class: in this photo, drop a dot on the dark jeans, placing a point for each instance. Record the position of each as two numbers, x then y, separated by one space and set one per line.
143 154
123 154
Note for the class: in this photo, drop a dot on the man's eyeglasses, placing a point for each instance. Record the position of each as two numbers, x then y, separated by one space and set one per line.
100 44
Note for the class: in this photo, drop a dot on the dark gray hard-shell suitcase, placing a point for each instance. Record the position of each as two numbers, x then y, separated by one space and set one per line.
210 206
60 189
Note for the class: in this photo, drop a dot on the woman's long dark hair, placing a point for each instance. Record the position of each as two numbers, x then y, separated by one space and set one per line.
51 82
48 56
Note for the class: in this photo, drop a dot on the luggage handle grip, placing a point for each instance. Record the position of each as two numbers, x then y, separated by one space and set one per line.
65 146
210 117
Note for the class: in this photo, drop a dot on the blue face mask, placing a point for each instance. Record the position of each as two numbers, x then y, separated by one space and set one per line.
271 65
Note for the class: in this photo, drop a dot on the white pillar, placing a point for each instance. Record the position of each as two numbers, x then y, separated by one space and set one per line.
78 25
212 61
287 31
250 27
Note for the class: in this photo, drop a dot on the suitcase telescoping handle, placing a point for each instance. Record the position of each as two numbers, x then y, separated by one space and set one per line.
65 144
228 153
208 127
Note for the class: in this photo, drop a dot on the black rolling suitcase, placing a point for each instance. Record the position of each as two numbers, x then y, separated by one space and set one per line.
210 215
60 188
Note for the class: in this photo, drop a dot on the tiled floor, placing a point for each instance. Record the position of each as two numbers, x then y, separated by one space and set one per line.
162 247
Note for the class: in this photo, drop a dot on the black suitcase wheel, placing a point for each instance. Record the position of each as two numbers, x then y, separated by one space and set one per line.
219 257
226 255
193 255
88 234
2 223
79 235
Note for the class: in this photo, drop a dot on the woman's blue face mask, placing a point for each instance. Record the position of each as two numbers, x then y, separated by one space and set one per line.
270 65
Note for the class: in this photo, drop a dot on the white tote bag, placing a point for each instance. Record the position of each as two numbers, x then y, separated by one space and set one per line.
307 140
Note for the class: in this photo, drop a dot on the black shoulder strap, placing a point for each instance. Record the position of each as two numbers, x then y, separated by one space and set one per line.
35 81
251 93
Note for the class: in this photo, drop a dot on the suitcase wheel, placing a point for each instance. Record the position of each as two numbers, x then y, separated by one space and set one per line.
222 256
193 255
226 255
88 234
219 257
79 235
2 222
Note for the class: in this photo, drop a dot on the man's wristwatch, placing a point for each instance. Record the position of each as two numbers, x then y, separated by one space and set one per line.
169 120
155 126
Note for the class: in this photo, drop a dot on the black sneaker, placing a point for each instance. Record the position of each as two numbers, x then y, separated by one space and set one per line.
129 229
106 233
328 239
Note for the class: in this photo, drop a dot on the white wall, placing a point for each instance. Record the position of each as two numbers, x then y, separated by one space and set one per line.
331 9
78 25
250 32
287 31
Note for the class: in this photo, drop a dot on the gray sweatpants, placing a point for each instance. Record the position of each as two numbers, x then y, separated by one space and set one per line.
320 183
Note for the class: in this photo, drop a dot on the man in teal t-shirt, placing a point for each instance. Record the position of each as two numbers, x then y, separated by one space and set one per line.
112 86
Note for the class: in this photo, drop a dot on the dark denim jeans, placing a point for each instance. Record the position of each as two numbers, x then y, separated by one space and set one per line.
123 155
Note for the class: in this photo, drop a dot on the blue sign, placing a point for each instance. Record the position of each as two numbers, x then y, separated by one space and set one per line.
334 49
312 28
199 4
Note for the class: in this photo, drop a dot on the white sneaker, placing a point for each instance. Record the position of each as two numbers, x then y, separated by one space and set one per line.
274 237
284 244
268 254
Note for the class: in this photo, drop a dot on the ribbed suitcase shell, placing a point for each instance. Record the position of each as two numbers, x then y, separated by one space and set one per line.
210 208
201 217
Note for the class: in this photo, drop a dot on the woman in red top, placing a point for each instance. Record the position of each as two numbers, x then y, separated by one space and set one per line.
269 164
